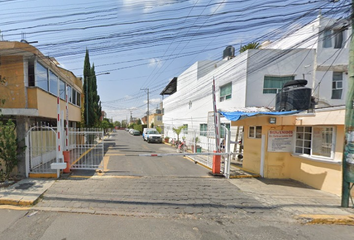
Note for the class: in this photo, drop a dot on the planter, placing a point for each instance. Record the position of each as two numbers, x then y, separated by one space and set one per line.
167 140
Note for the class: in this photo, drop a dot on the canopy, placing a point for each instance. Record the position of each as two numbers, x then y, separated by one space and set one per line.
238 115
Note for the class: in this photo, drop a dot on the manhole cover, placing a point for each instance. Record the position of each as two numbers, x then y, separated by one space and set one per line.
24 186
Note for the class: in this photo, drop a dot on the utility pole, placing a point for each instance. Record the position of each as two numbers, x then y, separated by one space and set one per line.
147 91
348 153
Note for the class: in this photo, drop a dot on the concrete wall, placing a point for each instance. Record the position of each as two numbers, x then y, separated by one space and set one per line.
13 90
270 62
319 173
46 104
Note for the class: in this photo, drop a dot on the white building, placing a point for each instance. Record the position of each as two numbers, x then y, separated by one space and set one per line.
317 52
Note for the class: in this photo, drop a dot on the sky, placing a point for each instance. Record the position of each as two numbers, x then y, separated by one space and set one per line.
143 44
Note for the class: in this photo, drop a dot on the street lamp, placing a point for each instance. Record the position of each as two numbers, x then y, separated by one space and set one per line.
86 95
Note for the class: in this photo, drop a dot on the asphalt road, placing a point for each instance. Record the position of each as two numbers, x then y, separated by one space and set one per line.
153 198
123 159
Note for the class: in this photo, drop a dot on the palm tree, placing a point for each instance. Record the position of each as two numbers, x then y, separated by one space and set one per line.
178 131
252 45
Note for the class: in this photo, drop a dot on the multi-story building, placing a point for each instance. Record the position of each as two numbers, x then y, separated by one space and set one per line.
318 52
29 88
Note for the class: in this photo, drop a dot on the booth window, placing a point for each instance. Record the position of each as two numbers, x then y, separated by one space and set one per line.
315 141
255 132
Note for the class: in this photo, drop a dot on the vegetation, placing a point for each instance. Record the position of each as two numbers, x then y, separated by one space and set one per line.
9 149
252 45
117 124
106 124
159 129
178 131
136 126
92 105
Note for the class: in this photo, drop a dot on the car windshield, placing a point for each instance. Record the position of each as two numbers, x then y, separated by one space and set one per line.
153 132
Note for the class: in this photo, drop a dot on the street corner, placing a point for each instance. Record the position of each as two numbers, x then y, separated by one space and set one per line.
326 219
25 192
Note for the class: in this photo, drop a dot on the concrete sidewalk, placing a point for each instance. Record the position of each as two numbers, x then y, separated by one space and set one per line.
25 192
297 200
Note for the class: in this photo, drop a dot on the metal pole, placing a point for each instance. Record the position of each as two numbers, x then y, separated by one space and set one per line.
86 101
348 159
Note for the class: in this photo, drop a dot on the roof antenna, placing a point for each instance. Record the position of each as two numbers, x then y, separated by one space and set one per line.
23 39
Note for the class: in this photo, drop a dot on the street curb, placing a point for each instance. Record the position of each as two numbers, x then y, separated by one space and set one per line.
12 202
327 219
17 208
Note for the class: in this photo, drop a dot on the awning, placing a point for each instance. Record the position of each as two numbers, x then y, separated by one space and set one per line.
238 115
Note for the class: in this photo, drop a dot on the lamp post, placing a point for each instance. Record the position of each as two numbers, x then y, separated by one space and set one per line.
86 95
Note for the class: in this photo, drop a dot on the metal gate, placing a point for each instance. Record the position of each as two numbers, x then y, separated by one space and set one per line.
41 149
84 149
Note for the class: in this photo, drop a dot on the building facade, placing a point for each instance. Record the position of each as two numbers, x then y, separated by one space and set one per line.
317 52
31 83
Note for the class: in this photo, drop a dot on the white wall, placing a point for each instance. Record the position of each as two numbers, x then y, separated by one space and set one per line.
277 63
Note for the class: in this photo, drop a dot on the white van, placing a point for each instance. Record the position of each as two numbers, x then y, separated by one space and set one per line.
144 132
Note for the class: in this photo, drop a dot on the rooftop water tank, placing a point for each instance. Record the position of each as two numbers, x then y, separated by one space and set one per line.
294 96
229 52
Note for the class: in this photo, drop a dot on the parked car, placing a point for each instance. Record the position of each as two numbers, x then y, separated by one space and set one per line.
153 136
144 132
135 132
131 131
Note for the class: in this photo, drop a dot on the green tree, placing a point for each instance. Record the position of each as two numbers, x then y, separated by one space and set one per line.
117 124
178 131
252 45
92 105
96 104
106 124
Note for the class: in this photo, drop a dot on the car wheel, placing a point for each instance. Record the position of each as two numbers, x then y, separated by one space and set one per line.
148 140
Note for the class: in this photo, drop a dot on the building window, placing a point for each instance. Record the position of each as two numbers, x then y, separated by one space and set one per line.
31 82
255 132
41 76
185 129
74 96
62 92
273 84
159 118
327 38
69 89
225 92
337 85
338 38
78 99
315 141
53 83
203 129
